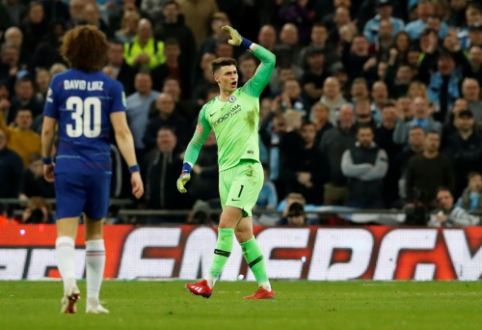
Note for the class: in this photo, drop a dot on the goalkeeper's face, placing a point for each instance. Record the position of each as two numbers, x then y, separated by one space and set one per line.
227 78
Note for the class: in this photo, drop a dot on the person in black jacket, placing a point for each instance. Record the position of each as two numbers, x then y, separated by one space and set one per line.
160 172
33 181
465 148
122 72
11 167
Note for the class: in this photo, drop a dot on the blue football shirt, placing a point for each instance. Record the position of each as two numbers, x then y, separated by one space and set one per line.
82 103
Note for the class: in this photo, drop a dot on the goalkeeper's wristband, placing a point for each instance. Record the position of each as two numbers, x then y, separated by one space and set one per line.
46 160
134 168
245 43
186 169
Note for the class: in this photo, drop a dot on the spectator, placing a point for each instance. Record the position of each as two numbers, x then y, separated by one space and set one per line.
396 79
291 98
448 214
198 14
382 44
288 48
401 44
160 170
295 216
334 143
365 165
332 98
21 139
471 94
281 74
4 219
223 49
379 97
363 113
47 52
76 7
313 79
37 211
11 168
428 171
34 27
145 51
319 38
128 28
183 107
471 198
167 117
201 214
9 65
155 7
421 118
116 14
475 55
33 181
464 147
405 109
42 80
24 99
384 140
321 115
425 10
122 72
55 10
218 20
90 16
416 143
457 13
267 37
172 68
384 9
206 172
174 26
15 9
14 37
359 89
355 55
268 198
417 89
206 78
137 109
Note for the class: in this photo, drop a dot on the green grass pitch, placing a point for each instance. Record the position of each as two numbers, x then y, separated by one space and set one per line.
298 305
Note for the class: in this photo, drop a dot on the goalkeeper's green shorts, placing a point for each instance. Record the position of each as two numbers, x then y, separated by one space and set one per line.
239 186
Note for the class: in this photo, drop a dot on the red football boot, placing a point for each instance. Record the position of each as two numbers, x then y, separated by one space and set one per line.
200 289
261 294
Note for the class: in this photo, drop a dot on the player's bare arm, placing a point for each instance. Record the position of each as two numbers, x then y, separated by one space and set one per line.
48 136
125 142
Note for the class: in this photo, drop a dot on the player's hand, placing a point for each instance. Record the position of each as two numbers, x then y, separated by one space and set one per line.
235 36
49 173
137 185
181 182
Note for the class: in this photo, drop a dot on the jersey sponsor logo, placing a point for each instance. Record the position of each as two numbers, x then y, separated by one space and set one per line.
232 98
234 110
313 253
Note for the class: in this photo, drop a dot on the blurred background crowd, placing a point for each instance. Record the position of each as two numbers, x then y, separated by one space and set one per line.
374 104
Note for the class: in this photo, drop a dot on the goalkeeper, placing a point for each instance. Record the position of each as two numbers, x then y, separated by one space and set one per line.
234 117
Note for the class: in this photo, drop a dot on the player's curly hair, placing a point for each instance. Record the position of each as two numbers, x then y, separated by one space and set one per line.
85 48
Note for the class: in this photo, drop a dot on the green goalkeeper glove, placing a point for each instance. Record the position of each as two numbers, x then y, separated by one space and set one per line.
236 38
181 182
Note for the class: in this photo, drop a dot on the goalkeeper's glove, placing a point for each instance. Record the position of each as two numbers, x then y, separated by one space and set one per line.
236 39
184 178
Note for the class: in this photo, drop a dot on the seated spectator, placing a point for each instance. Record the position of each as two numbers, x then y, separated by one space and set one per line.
319 41
37 211
421 118
471 198
288 48
144 51
314 77
379 97
464 147
428 171
167 117
201 214
268 198
267 37
24 98
332 98
291 98
75 10
321 114
128 28
91 16
365 166
21 139
471 94
359 88
398 78
295 217
334 143
11 167
14 37
172 68
448 214
33 181
122 72
205 172
4 219
363 113
184 107
425 9
160 172
384 10
282 73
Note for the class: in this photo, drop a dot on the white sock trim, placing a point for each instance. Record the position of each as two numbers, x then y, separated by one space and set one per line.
211 280
95 264
266 286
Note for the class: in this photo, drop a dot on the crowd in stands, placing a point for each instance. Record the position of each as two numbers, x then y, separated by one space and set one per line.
373 104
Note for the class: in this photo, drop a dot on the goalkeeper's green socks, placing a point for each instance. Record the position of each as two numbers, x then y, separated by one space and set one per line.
253 255
222 252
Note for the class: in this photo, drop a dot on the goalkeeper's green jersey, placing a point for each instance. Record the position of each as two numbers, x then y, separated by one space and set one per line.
235 122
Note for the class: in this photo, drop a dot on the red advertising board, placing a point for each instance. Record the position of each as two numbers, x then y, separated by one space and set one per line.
312 253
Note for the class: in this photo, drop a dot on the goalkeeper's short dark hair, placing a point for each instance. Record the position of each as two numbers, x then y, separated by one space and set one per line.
222 61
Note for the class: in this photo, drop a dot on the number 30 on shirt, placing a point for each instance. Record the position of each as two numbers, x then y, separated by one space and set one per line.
87 115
